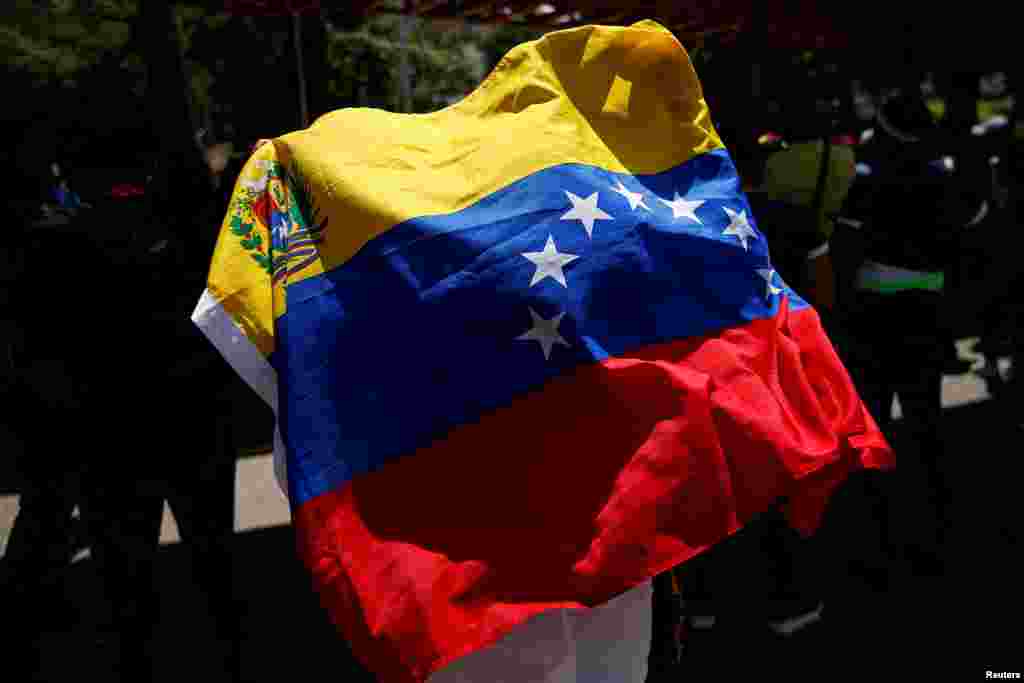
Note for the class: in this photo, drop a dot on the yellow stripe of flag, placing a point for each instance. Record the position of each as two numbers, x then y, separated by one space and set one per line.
625 99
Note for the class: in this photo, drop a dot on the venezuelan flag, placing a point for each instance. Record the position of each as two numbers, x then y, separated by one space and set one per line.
525 352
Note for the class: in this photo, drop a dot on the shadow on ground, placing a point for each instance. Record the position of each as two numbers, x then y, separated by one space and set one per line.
286 634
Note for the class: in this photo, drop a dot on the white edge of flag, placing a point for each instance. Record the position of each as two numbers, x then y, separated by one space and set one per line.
225 335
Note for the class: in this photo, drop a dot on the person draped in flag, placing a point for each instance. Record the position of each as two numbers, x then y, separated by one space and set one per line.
525 353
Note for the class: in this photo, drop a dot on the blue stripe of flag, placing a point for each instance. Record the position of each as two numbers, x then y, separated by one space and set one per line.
417 333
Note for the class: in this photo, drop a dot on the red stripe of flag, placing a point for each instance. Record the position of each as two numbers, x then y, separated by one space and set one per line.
576 492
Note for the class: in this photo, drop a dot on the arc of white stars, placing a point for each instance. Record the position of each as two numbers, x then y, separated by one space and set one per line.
684 208
739 226
544 332
585 211
635 199
767 274
549 263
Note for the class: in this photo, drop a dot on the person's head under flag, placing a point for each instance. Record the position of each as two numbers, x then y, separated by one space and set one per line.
525 353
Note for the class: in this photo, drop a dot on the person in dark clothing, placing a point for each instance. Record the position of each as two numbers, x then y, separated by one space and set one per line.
168 392
909 203
46 257
120 403
991 273
47 296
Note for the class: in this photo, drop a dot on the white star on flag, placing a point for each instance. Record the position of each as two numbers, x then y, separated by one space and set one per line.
549 262
767 274
635 199
585 211
544 332
739 226
684 208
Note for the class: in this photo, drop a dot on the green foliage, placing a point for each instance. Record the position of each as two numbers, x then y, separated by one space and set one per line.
498 41
58 42
445 63
67 51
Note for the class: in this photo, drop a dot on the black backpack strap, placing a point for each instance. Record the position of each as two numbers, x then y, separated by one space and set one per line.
819 189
